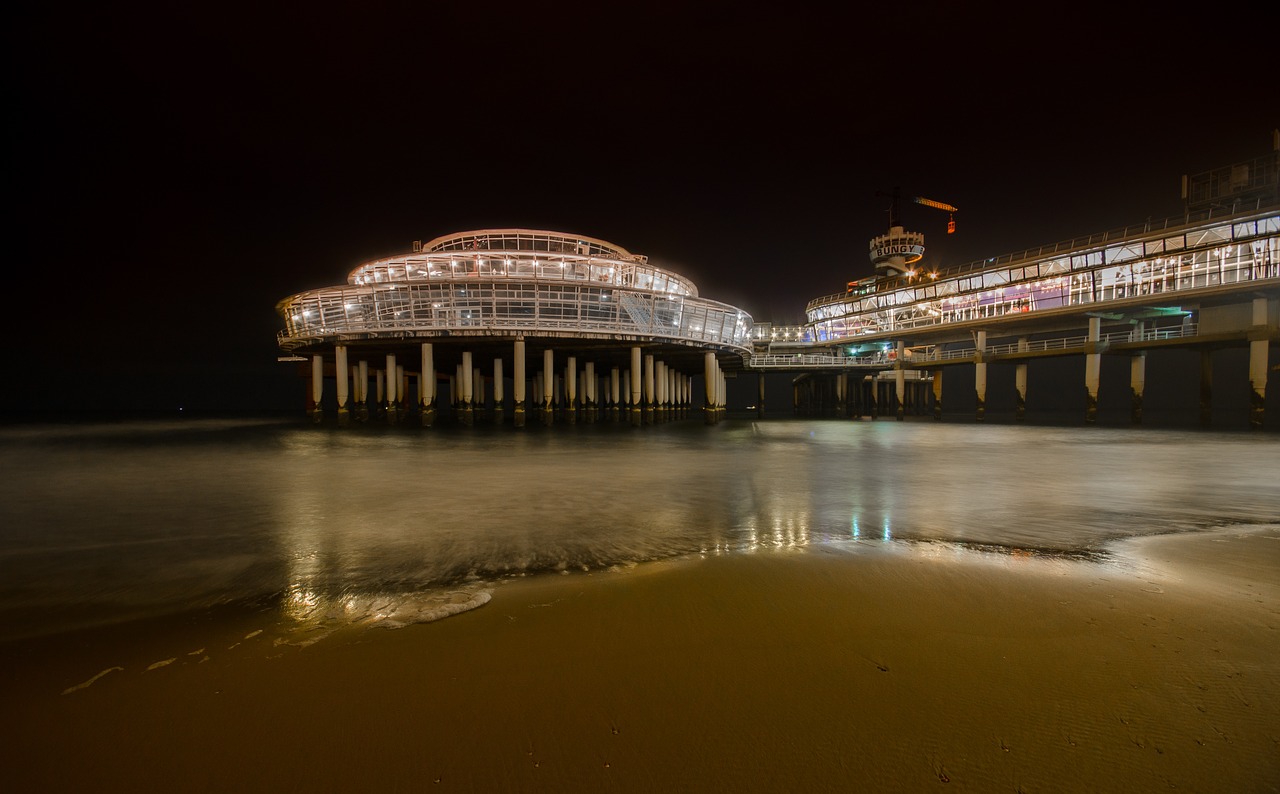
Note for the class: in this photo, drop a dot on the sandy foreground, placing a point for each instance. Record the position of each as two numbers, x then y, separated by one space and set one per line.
877 667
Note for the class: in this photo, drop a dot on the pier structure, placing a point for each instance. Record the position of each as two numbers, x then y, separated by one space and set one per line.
1205 281
582 329
578 328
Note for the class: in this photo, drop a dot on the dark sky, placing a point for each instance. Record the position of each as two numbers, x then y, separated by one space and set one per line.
175 170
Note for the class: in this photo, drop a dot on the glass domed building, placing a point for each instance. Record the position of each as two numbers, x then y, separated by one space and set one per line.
472 308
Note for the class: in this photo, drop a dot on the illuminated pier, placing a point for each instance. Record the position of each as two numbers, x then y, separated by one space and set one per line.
1207 280
578 327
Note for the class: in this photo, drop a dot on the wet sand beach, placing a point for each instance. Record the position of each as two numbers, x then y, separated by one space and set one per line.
874 666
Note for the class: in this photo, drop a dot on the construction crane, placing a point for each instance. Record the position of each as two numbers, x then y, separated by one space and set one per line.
893 208
951 220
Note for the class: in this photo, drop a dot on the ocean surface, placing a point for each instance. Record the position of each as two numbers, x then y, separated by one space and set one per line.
107 522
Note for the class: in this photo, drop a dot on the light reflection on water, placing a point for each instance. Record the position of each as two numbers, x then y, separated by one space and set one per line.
393 525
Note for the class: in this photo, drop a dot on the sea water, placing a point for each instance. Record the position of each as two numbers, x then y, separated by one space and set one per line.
326 526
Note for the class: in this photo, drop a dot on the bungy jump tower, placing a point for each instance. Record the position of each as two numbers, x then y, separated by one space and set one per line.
576 326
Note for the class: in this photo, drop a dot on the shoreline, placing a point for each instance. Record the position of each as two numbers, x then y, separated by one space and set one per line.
881 666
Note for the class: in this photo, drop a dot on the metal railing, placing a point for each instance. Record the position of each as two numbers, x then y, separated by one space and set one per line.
814 361
484 308
1075 342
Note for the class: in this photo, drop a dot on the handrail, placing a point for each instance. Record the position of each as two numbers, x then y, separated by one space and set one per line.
345 313
809 360
1073 342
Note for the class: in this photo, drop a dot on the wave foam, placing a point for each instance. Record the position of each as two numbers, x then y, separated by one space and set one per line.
324 616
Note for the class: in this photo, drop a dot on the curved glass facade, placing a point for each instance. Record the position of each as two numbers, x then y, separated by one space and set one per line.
513 281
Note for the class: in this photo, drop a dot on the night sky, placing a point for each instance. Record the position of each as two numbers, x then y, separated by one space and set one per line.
176 170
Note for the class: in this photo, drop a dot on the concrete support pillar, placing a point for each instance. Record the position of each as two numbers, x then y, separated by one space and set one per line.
980 373
317 386
1137 384
760 396
1020 384
499 410
402 387
1092 370
589 395
937 395
648 389
340 370
1206 387
466 390
710 374
615 392
427 385
571 389
548 385
636 384
900 380
660 389
518 383
1258 347
391 382
364 390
